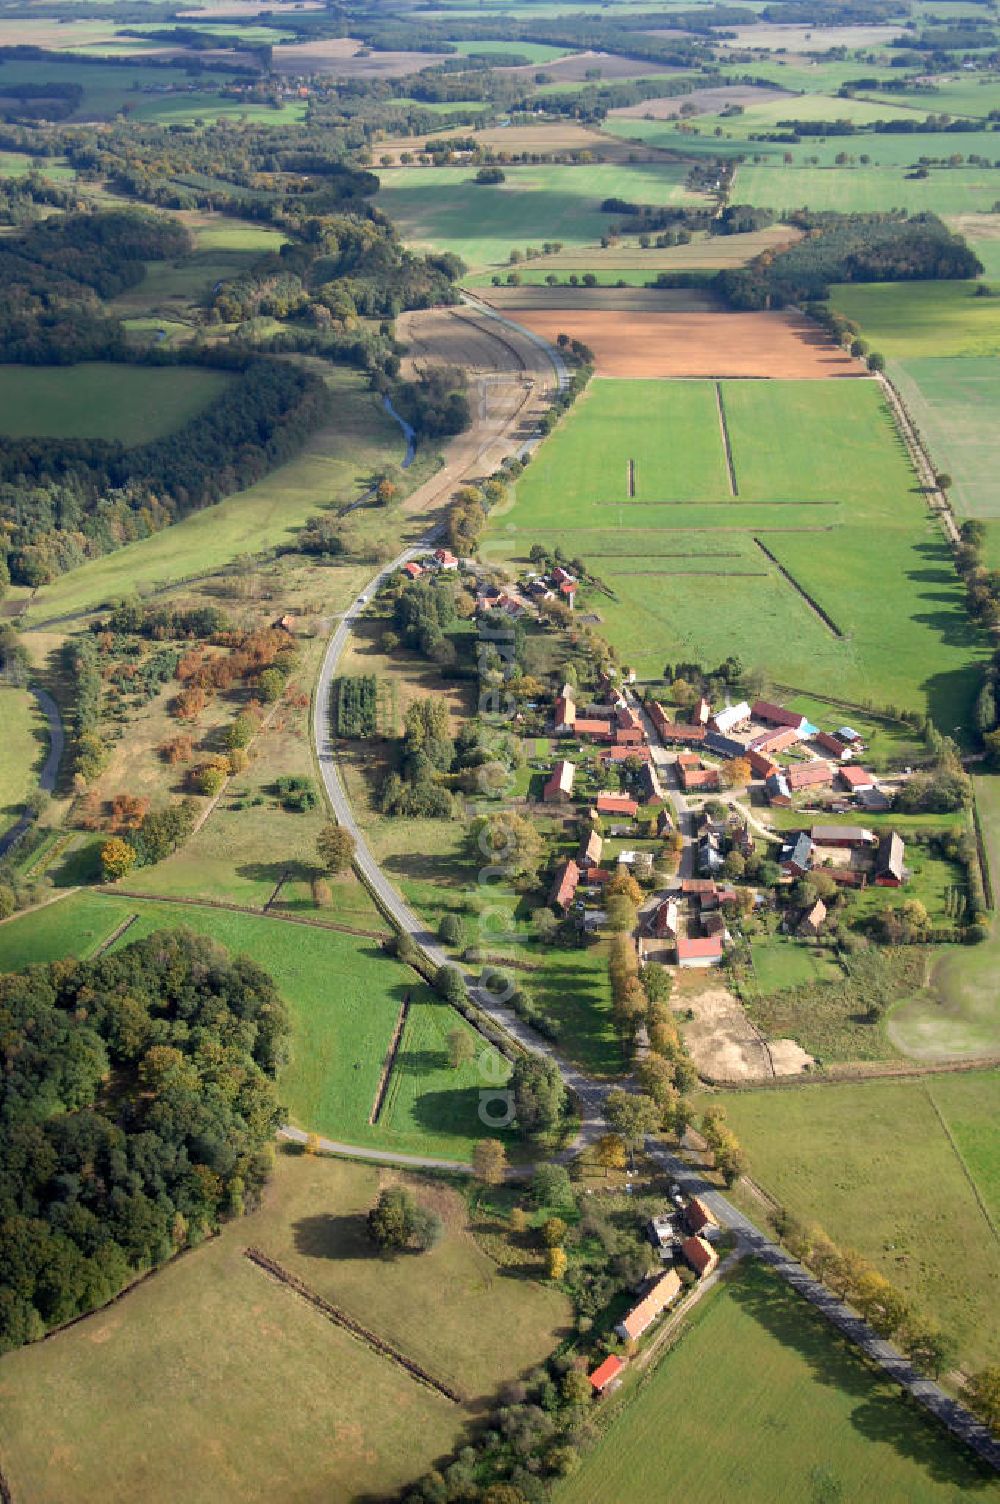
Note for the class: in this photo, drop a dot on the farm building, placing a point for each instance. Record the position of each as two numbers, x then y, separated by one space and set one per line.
594 730
812 921
565 721
562 576
590 850
698 887
809 775
559 787
777 715
622 754
662 1233
700 1220
725 746
647 784
568 590
850 837
832 744
848 735
856 780
642 1316
731 718
694 775
700 1255
761 765
664 920
701 712
564 885
606 1374
776 741
889 869
796 857
616 804
445 559
413 569
674 731
664 823
777 790
697 954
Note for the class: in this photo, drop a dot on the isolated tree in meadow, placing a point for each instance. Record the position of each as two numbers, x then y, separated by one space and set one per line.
336 847
451 930
460 1048
190 703
118 857
390 1221
489 1160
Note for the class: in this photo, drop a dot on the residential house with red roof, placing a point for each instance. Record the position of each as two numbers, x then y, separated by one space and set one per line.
564 885
698 953
559 788
642 1316
606 1374
616 804
700 1255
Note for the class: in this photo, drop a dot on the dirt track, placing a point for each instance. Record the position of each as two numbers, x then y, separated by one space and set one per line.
652 344
499 362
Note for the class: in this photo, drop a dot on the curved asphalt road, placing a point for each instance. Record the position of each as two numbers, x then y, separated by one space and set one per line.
592 1094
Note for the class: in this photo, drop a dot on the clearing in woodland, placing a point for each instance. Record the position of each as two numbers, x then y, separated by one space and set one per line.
101 400
819 469
263 1397
794 1414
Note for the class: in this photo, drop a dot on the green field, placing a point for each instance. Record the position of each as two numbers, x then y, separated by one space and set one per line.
344 995
964 190
793 1414
956 406
15 164
445 208
820 469
915 320
331 468
263 1398
107 88
956 1014
872 1163
99 400
25 743
954 94
188 109
781 961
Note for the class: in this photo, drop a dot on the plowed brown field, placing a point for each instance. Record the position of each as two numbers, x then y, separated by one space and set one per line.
634 344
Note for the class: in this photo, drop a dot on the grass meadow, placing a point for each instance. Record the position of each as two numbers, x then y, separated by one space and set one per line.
918 320
102 400
25 742
263 1398
956 405
874 1164
445 208
965 190
107 88
819 469
793 1413
331 469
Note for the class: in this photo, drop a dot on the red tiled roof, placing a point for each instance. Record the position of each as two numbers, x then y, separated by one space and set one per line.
616 804
694 950
619 754
646 1312
775 715
699 1254
805 775
608 1370
856 778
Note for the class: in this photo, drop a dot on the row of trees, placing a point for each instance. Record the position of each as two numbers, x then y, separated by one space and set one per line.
354 706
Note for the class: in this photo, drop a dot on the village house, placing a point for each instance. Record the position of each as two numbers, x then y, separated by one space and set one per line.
695 954
725 746
664 823
590 850
606 1375
565 720
564 885
562 576
622 754
730 719
648 787
809 775
777 790
663 923
413 570
700 1220
567 589
796 857
701 712
588 729
445 559
761 765
812 921
673 731
700 1255
642 1316
559 788
616 804
777 715
889 869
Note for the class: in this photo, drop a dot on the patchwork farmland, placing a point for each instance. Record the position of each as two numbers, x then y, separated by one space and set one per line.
700 560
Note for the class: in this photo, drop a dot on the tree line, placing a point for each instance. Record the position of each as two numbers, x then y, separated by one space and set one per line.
97 1187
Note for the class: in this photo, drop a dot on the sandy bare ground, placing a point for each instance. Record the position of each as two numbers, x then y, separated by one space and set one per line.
337 55
548 139
501 363
574 70
705 102
725 1046
652 344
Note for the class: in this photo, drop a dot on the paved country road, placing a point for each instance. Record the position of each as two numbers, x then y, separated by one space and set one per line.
592 1094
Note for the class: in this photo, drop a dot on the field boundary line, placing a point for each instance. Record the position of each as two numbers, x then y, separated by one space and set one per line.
382 1088
853 1073
116 934
937 502
109 891
965 1168
813 605
734 489
334 1314
984 859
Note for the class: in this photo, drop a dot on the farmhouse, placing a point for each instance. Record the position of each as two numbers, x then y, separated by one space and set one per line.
889 869
731 718
590 850
664 920
674 731
700 1255
693 774
616 804
808 775
698 954
413 569
832 744
760 764
855 780
777 790
564 885
777 715
796 858
562 576
565 721
851 837
622 754
559 787
700 1220
593 730
812 921
776 741
642 1316
605 1375
445 559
